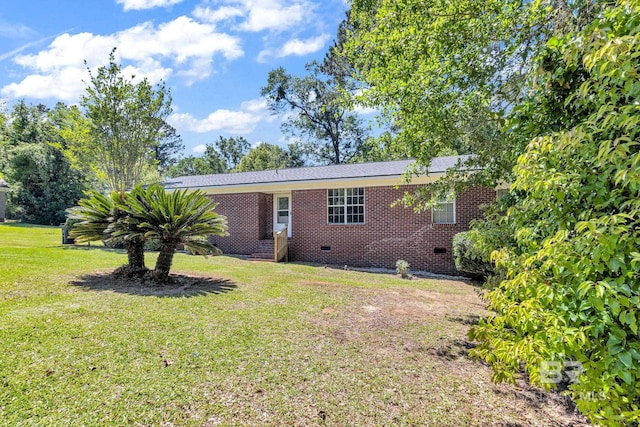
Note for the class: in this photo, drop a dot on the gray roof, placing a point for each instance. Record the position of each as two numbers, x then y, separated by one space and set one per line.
311 173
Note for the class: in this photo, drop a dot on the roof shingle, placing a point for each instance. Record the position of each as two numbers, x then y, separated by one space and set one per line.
311 173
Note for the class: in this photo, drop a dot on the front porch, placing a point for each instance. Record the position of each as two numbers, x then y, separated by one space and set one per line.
259 225
273 250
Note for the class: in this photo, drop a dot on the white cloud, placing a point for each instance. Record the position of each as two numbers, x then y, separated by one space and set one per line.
259 15
65 85
364 110
296 47
199 149
15 30
303 47
214 16
182 46
146 4
272 15
240 122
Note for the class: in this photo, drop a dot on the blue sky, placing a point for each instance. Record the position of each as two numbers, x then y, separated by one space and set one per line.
214 55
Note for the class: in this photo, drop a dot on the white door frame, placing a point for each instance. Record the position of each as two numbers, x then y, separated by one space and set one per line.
276 226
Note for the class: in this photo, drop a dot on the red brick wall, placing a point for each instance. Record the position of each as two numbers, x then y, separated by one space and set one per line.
266 217
389 234
246 220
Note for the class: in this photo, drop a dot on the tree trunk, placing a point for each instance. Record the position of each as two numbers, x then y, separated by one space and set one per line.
135 255
163 264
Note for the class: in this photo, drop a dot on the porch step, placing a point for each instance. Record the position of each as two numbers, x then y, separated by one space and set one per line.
264 252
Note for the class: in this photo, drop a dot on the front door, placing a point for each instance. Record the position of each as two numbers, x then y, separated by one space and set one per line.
282 212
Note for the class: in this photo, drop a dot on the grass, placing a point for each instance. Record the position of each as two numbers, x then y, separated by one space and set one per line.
254 344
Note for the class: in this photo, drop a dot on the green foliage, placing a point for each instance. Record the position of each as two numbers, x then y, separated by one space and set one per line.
108 218
224 155
179 217
469 256
42 181
230 150
152 217
402 268
42 184
333 135
446 76
267 156
193 165
127 126
572 286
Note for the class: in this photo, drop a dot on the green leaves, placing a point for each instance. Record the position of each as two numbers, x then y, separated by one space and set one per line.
318 114
573 270
127 125
180 217
144 214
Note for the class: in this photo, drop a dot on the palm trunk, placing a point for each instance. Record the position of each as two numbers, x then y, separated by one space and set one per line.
163 264
135 255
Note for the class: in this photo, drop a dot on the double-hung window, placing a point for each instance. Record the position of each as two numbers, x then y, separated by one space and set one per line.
345 206
444 212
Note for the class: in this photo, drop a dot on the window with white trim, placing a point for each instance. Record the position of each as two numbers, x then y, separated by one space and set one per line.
345 206
445 211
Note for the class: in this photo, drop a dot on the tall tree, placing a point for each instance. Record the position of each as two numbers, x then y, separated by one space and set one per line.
42 181
231 150
127 124
448 74
267 156
193 165
170 146
332 133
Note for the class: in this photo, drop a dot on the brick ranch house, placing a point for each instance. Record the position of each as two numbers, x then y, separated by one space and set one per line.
340 214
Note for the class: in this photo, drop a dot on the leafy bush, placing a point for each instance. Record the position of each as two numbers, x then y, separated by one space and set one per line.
571 296
69 223
469 257
402 268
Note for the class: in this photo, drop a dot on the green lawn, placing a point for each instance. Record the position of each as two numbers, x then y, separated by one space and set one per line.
255 344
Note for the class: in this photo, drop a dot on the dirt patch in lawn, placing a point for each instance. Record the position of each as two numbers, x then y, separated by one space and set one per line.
179 285
420 335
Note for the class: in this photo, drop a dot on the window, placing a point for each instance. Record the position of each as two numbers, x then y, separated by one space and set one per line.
282 216
445 211
346 206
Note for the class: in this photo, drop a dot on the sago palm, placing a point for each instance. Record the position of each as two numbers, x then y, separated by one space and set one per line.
180 217
107 218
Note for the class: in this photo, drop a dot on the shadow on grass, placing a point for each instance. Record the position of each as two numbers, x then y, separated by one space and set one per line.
528 395
537 398
465 319
452 350
181 286
15 224
92 247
